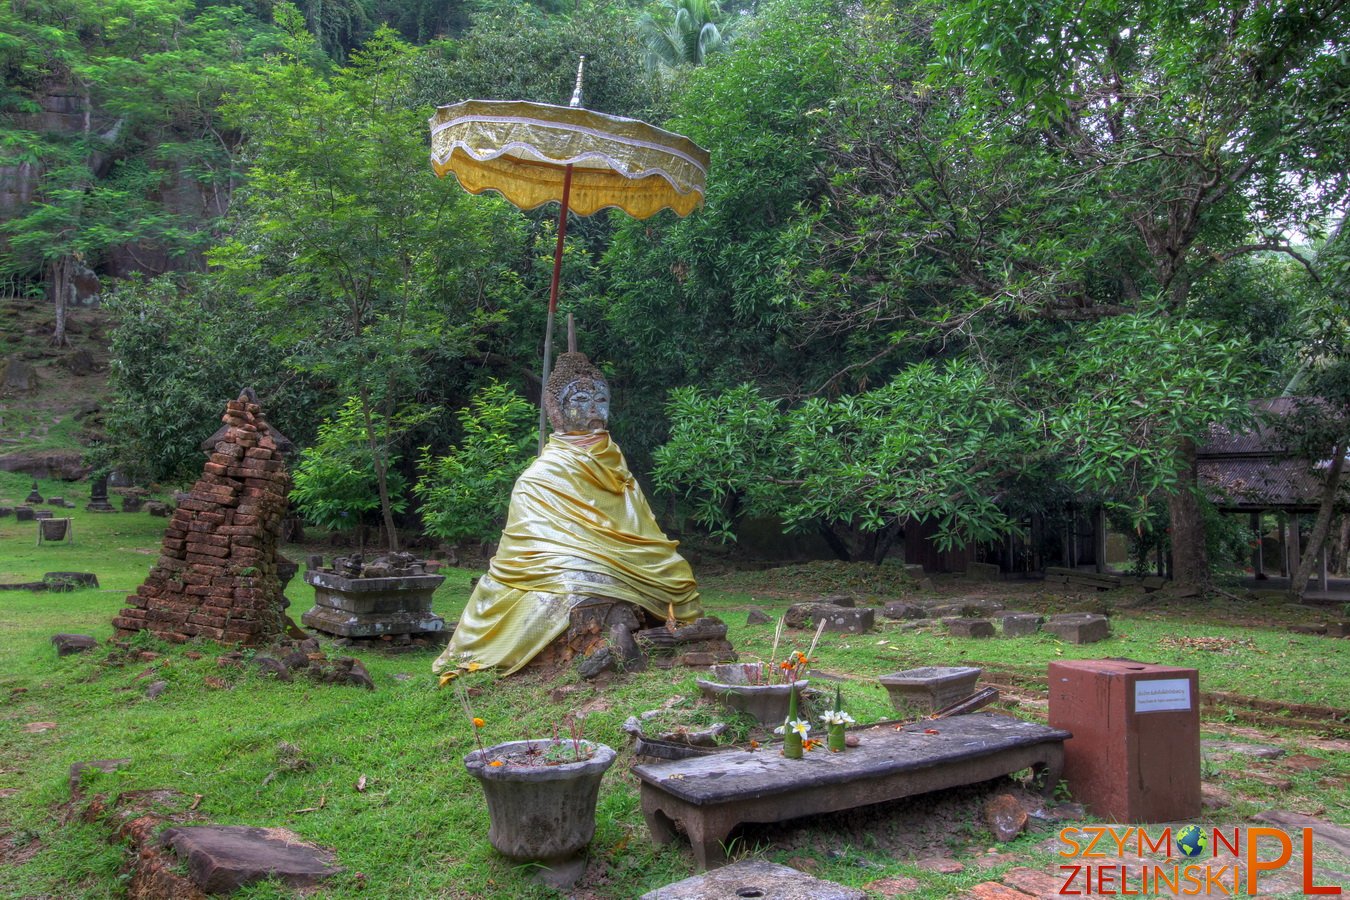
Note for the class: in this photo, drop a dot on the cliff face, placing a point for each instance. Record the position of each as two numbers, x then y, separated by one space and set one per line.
62 111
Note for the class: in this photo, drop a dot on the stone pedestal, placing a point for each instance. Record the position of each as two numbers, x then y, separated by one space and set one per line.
98 497
372 607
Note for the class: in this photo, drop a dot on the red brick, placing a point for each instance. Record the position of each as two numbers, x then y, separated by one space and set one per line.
202 547
214 468
195 505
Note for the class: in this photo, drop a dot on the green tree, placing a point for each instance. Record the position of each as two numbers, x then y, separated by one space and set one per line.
465 493
383 269
141 80
682 33
937 443
337 481
178 351
1207 130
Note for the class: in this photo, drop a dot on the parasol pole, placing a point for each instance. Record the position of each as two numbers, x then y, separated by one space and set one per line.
557 272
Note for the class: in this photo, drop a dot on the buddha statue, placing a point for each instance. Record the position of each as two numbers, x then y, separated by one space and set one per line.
578 528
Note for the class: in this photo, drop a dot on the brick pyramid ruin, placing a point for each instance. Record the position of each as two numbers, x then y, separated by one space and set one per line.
216 576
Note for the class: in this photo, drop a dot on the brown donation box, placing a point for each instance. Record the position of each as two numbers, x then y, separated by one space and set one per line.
1135 751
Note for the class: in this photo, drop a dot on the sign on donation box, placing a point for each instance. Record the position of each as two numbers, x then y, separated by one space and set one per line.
1135 751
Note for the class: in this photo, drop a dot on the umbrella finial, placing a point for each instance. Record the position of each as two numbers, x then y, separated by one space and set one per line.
576 91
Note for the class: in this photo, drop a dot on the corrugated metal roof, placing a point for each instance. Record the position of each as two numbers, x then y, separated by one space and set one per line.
1262 440
1261 484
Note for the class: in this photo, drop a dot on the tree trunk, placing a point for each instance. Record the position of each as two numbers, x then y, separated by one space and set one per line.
381 475
834 542
1322 527
61 280
1190 558
1343 550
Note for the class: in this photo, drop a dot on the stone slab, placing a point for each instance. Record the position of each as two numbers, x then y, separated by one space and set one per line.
899 609
707 797
840 619
971 628
1021 624
755 878
224 858
1079 628
66 644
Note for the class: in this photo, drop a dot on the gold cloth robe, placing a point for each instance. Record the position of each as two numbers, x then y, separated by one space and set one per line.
578 526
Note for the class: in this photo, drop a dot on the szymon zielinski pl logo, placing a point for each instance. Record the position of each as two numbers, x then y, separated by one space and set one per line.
1214 862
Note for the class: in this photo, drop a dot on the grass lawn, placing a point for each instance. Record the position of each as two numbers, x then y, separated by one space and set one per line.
261 752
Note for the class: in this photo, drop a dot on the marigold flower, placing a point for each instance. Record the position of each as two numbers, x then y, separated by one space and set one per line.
478 723
495 763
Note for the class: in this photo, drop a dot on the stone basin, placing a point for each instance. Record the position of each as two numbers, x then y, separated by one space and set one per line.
372 607
930 688
737 686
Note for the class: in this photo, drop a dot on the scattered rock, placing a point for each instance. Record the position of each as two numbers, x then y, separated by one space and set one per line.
971 628
892 888
1037 884
1214 797
843 600
1079 628
836 618
66 644
155 689
899 609
269 666
1226 748
941 865
756 878
1301 762
630 655
757 617
1021 624
65 465
224 858
79 362
19 376
1005 817
602 660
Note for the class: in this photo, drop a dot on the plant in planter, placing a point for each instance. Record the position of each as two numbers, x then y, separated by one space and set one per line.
759 689
541 797
836 721
794 729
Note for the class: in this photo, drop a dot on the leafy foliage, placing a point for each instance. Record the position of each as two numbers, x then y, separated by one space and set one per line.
178 354
335 480
464 493
935 443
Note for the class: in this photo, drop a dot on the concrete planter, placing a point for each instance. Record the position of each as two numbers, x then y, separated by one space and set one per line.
930 688
371 607
743 687
541 812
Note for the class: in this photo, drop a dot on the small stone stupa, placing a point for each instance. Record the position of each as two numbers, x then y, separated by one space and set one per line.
216 577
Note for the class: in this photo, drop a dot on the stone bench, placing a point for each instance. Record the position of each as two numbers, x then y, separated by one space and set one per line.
707 797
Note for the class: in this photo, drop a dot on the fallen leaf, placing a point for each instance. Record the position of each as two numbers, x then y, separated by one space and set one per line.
323 801
361 783
196 801
931 731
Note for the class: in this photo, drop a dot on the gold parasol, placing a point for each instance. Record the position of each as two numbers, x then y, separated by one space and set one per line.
586 161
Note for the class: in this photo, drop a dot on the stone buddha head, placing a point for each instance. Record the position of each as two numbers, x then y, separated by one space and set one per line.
576 397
